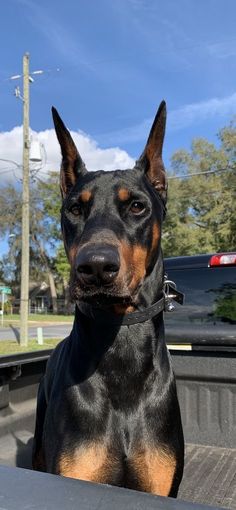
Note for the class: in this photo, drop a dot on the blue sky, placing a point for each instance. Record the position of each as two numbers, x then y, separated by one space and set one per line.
118 59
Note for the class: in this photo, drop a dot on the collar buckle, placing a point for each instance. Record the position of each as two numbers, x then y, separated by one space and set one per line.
171 294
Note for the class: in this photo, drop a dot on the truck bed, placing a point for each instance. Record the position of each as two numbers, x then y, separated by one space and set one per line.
209 475
207 392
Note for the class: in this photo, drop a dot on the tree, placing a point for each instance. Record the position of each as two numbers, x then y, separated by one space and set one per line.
2 278
63 271
41 261
201 214
49 198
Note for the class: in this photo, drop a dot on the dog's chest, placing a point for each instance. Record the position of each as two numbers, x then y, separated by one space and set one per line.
121 454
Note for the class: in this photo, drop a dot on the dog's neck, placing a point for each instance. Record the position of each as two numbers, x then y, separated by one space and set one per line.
99 346
152 286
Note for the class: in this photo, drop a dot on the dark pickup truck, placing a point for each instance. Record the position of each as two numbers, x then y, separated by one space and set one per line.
208 317
201 336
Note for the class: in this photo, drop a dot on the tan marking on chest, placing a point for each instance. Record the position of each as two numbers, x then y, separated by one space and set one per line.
91 463
155 470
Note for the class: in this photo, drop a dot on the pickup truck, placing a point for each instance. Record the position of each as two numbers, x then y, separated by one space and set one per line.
201 336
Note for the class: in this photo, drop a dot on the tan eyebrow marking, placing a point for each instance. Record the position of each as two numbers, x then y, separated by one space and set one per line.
123 194
85 195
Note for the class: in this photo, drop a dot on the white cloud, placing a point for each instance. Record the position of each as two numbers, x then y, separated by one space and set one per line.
195 112
223 49
177 119
94 157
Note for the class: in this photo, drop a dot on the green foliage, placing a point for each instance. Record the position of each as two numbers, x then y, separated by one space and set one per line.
62 264
201 215
10 227
225 302
2 278
49 199
45 232
226 308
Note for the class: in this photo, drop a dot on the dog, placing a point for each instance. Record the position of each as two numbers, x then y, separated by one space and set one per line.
107 407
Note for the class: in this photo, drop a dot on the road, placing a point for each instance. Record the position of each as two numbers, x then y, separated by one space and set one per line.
49 331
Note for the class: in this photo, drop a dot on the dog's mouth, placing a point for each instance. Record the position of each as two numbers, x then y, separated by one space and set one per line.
103 295
105 300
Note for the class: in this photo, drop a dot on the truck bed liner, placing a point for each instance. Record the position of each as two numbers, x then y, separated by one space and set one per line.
209 477
207 391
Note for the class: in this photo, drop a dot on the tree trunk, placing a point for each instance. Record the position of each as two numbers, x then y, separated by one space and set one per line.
53 291
51 280
66 294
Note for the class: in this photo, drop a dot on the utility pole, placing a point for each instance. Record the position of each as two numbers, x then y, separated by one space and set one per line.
24 292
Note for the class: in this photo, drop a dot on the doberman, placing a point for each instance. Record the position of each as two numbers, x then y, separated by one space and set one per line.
107 407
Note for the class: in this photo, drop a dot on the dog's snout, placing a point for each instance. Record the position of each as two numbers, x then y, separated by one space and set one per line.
98 265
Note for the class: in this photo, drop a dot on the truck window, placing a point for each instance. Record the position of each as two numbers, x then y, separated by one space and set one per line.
210 295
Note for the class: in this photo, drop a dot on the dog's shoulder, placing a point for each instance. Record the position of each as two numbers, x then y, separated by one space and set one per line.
54 363
60 348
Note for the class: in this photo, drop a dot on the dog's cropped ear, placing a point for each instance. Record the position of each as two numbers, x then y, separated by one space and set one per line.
151 159
72 165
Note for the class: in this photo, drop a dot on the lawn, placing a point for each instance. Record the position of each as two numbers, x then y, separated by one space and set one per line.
12 347
36 317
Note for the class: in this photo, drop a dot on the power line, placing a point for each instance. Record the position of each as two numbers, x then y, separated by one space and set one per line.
5 170
222 191
200 173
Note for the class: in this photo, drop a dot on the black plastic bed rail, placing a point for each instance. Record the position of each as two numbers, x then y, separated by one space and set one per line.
23 489
22 358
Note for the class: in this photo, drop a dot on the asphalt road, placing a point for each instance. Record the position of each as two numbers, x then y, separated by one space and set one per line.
52 331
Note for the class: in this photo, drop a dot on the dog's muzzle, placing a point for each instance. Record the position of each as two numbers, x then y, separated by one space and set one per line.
97 265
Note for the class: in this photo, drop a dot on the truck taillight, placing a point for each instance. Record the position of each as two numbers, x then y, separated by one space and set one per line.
223 259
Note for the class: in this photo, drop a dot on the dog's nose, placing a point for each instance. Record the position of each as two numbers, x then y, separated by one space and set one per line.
98 265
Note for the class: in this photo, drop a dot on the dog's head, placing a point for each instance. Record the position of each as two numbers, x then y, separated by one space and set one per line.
111 221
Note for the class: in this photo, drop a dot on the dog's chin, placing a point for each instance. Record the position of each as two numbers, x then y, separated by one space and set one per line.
102 300
101 296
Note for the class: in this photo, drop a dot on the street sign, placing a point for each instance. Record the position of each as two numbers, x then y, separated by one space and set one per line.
5 290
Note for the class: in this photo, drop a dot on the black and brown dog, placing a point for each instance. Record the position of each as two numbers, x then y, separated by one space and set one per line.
107 406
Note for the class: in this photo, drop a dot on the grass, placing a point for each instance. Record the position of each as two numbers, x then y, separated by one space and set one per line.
36 317
11 347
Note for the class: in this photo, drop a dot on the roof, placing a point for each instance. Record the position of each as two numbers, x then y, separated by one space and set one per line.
194 261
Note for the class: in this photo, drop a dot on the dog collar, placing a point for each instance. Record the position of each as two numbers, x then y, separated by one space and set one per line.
169 294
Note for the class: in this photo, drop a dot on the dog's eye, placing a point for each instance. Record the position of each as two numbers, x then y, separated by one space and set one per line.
75 209
137 207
